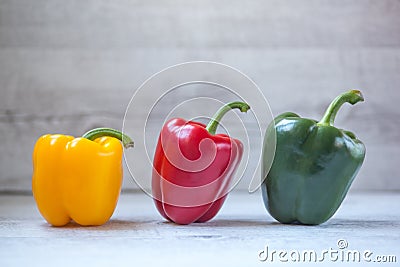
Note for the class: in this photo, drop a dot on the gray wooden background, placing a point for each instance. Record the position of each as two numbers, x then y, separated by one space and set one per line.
68 66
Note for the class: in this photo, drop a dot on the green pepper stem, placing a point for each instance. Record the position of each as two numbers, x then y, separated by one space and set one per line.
214 122
100 132
352 97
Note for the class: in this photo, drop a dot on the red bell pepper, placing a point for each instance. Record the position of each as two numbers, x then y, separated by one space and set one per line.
193 168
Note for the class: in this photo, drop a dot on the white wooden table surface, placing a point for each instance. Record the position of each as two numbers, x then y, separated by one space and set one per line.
138 236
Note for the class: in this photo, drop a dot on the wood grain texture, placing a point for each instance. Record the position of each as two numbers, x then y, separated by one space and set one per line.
137 235
66 67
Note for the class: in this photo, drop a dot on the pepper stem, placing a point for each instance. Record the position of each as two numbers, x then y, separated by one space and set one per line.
214 122
352 97
100 132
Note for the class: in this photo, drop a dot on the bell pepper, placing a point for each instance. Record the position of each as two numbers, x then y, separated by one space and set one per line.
78 179
313 167
193 168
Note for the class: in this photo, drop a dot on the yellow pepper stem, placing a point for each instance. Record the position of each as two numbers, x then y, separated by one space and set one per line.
100 132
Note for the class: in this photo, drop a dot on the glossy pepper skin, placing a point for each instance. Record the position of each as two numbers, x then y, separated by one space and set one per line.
193 168
314 165
76 178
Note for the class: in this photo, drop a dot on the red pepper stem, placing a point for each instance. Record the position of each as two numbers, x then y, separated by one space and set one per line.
214 122
352 97
100 132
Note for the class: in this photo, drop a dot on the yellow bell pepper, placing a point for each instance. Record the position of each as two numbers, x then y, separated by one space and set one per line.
78 179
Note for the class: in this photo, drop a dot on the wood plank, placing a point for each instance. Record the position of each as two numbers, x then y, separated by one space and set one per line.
69 66
205 24
137 235
59 96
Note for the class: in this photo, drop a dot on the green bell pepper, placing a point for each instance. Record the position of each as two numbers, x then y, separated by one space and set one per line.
313 167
